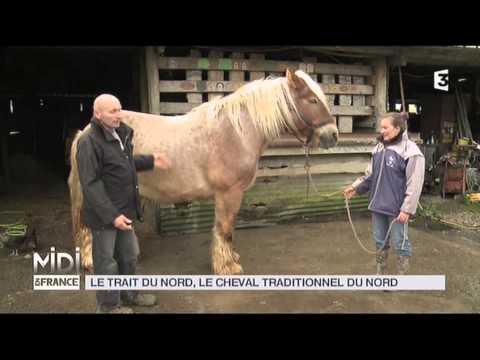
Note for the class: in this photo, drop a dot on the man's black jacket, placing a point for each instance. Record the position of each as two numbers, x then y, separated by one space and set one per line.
108 175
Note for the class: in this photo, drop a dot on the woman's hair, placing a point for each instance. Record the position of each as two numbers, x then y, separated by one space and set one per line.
398 119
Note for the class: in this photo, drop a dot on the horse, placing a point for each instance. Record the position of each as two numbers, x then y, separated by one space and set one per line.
214 151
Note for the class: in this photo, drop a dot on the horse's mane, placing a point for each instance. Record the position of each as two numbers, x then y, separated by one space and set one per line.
268 102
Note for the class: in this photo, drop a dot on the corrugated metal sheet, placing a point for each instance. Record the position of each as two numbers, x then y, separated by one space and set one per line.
267 203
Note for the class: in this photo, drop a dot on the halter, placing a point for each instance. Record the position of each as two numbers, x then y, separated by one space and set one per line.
306 148
295 131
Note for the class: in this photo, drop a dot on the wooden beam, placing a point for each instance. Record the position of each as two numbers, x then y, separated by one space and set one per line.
182 108
189 63
255 75
299 151
153 80
190 86
309 64
143 83
345 100
345 123
374 51
215 75
366 123
359 99
354 139
329 80
176 107
237 75
136 105
340 69
332 164
352 110
420 55
379 81
5 162
352 89
192 97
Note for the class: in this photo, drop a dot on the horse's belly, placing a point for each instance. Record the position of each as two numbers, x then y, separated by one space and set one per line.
173 188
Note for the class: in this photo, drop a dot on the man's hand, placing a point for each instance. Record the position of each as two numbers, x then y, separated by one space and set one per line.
403 217
349 192
161 161
122 223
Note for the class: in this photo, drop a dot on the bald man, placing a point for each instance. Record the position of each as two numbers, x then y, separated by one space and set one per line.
107 170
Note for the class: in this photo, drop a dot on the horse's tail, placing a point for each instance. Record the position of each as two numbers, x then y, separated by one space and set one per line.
82 235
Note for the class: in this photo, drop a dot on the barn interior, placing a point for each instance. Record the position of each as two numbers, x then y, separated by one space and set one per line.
45 94
447 122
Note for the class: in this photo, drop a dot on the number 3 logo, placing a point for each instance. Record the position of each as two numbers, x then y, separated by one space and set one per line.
443 80
440 80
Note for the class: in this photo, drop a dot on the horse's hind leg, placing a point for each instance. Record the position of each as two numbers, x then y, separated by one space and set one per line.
224 258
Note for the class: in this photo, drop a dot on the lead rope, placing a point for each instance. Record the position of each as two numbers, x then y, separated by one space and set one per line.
358 239
310 180
347 206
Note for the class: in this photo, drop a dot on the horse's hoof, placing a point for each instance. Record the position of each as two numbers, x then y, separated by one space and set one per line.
231 269
87 265
236 269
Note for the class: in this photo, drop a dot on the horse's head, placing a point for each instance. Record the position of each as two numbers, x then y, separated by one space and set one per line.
314 119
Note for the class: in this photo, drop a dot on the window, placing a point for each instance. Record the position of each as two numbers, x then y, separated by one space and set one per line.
412 109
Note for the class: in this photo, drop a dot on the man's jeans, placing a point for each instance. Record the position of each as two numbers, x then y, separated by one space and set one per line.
398 234
114 252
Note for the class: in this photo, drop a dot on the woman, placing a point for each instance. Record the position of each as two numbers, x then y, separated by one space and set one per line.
394 179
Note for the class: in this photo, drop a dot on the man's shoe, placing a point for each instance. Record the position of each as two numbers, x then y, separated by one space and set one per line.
142 300
114 310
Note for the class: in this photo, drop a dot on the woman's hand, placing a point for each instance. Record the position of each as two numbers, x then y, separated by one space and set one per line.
349 192
403 217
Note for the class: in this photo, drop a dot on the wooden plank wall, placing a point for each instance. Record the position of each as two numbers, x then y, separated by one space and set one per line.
350 89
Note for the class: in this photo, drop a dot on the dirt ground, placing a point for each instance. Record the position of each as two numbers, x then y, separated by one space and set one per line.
325 247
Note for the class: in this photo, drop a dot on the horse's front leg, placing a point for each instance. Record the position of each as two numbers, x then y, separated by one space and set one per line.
224 258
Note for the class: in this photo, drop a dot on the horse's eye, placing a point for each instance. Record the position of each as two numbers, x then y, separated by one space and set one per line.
313 101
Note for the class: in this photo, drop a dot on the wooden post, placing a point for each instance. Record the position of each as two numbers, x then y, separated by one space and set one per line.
215 75
310 62
379 81
234 74
255 75
153 80
345 123
143 83
135 82
194 98
330 79
4 149
358 100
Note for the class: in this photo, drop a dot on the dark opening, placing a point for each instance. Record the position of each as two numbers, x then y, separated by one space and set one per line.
47 93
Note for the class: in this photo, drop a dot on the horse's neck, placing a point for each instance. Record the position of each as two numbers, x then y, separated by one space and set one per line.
199 122
137 120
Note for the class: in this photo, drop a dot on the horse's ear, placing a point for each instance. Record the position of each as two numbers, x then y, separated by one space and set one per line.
288 74
293 80
290 77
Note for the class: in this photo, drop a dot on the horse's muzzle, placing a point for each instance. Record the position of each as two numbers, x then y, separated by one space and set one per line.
326 136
